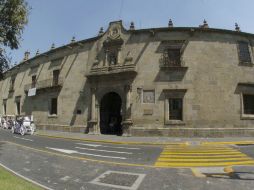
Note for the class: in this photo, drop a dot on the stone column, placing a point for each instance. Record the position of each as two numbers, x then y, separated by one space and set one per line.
92 124
127 123
106 58
119 56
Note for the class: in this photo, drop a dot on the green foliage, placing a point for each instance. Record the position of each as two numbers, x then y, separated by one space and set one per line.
4 63
12 182
13 18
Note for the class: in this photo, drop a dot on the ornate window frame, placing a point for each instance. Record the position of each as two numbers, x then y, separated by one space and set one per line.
245 116
174 45
244 89
173 93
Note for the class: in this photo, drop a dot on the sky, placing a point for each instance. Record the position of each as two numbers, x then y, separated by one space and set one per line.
57 21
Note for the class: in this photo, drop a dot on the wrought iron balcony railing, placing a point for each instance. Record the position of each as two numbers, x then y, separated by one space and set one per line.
49 83
169 63
111 69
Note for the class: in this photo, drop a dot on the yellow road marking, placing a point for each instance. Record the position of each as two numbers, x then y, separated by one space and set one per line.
210 164
112 142
227 143
81 158
202 156
228 172
202 160
197 173
200 153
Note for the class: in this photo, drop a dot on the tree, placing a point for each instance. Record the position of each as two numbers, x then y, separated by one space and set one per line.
13 18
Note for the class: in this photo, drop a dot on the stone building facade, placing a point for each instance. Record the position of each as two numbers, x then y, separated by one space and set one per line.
172 81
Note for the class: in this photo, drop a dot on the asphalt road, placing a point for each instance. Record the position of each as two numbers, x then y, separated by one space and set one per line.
61 164
145 155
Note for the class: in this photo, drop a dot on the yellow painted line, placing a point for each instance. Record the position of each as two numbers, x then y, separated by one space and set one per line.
228 169
201 151
209 164
113 142
199 162
80 158
227 142
197 173
240 155
203 159
157 164
198 148
198 153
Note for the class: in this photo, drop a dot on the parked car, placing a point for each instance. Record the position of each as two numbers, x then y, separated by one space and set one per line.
23 125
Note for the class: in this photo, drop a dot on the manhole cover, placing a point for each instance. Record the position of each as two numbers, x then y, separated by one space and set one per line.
121 180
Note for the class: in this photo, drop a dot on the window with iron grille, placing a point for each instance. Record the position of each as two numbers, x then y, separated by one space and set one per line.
18 107
175 109
243 52
53 106
171 57
12 83
248 104
55 77
33 81
5 106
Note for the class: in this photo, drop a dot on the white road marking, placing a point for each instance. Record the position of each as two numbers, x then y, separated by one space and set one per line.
97 145
99 150
23 138
25 178
83 153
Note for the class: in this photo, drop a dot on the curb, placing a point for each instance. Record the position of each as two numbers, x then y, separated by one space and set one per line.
112 142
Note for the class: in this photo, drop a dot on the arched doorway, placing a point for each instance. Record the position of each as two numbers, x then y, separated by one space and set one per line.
110 114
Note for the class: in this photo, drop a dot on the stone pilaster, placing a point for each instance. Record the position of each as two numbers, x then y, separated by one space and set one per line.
127 123
93 122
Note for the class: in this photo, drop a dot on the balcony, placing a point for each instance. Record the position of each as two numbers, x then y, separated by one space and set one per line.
167 63
45 84
112 69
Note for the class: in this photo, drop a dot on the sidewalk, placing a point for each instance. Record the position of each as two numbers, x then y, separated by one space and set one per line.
144 140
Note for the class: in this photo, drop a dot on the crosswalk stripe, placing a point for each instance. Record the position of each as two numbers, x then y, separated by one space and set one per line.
201 156
208 164
200 153
201 160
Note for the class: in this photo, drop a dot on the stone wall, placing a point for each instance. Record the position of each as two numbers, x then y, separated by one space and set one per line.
210 78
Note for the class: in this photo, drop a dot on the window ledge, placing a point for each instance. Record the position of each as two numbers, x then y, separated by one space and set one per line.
249 64
247 117
174 122
52 116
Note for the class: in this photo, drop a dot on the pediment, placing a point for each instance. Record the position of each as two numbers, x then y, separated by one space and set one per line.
114 34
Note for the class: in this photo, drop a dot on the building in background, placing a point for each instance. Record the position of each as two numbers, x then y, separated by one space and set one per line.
172 81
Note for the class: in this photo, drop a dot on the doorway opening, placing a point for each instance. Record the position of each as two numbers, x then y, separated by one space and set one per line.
110 114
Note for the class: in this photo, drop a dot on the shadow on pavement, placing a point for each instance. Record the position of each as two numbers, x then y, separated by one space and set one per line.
233 175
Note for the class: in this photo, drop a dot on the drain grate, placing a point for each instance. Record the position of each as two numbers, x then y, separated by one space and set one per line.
121 180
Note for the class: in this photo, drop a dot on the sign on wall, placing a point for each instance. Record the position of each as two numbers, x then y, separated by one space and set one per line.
148 96
32 92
